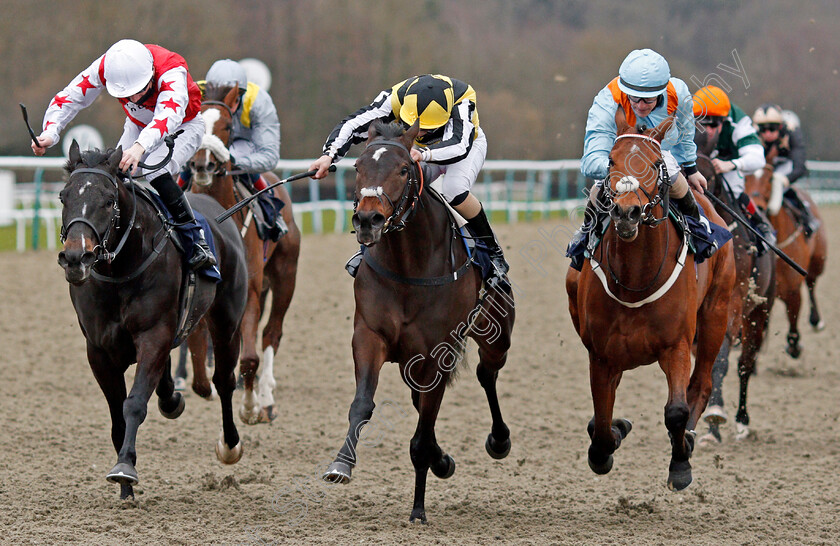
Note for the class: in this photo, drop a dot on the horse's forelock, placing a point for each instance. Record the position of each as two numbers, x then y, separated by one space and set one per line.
389 131
213 91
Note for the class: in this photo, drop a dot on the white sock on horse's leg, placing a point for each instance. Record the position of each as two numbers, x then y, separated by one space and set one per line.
267 382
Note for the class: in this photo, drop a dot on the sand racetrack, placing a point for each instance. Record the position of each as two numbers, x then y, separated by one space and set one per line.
779 486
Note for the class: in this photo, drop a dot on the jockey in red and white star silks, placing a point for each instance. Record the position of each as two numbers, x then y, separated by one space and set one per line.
172 102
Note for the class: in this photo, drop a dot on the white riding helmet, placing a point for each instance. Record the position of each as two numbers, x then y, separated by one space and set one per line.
128 68
644 73
768 113
227 72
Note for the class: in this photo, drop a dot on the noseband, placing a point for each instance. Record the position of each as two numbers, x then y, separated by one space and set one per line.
663 187
403 209
113 225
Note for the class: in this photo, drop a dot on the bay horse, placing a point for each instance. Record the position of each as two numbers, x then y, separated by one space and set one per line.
272 266
810 253
751 303
648 307
417 298
126 283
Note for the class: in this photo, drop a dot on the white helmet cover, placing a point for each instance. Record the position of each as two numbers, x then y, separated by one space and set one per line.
227 72
128 68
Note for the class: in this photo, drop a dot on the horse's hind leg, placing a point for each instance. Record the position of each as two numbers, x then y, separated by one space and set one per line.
181 369
281 276
197 342
170 402
681 416
605 432
226 343
249 411
755 329
369 352
715 414
793 303
111 381
816 321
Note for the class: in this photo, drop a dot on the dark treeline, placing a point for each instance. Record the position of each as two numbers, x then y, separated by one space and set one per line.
535 64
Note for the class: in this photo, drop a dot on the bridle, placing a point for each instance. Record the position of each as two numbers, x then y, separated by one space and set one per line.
220 170
113 224
402 211
663 185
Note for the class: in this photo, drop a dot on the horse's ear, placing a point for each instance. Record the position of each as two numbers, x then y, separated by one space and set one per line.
662 129
411 134
75 155
373 131
114 159
231 96
621 124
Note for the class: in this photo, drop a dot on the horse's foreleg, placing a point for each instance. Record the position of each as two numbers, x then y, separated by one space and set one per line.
676 363
249 360
793 303
369 352
605 432
110 379
151 358
755 328
226 343
197 343
425 451
814 319
170 403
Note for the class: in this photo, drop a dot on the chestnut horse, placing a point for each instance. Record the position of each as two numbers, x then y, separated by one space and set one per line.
271 266
810 253
749 312
648 307
125 278
417 298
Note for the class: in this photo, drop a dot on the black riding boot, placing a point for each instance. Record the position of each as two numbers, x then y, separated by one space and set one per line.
480 228
757 221
589 219
177 204
688 205
809 222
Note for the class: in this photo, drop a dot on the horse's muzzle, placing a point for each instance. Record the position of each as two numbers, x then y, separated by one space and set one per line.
368 226
626 220
77 264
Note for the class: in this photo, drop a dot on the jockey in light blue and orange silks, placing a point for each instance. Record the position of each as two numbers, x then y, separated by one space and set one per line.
647 93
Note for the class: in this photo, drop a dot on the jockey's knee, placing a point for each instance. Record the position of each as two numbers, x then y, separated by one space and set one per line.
257 181
679 187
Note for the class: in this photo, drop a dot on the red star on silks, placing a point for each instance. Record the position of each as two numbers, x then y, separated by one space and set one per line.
160 125
169 103
47 124
165 86
85 84
60 101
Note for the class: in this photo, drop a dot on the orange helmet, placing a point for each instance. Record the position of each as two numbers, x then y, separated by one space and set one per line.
711 101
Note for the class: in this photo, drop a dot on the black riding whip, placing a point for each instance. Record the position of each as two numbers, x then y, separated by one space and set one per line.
29 127
788 260
232 210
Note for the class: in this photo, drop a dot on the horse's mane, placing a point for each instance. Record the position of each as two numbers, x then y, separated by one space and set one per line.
388 131
215 91
91 158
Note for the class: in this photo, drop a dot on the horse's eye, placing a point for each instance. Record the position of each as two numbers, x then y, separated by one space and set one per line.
611 162
61 197
404 171
109 204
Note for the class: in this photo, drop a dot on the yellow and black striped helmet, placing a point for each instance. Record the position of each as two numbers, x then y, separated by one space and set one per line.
429 98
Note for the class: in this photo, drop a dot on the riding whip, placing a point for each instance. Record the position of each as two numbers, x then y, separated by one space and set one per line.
232 210
29 127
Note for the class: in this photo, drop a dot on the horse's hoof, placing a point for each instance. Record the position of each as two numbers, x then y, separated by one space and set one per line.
267 415
793 350
249 416
338 472
418 514
180 384
715 415
819 327
602 468
444 468
679 479
710 439
227 455
742 431
496 449
179 407
624 427
202 391
123 474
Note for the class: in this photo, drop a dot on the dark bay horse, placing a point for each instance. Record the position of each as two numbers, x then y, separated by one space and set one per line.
271 266
810 253
647 308
125 284
417 298
752 300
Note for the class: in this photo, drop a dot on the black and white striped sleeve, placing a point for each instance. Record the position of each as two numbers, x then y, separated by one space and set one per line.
458 136
353 129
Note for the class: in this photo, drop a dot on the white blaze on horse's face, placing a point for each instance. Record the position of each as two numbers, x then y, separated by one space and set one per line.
371 192
378 153
84 187
211 116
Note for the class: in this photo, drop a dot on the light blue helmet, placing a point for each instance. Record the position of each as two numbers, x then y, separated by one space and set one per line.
227 72
644 73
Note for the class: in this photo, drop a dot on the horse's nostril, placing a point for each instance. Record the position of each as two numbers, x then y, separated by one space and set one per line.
88 259
377 220
62 259
635 213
